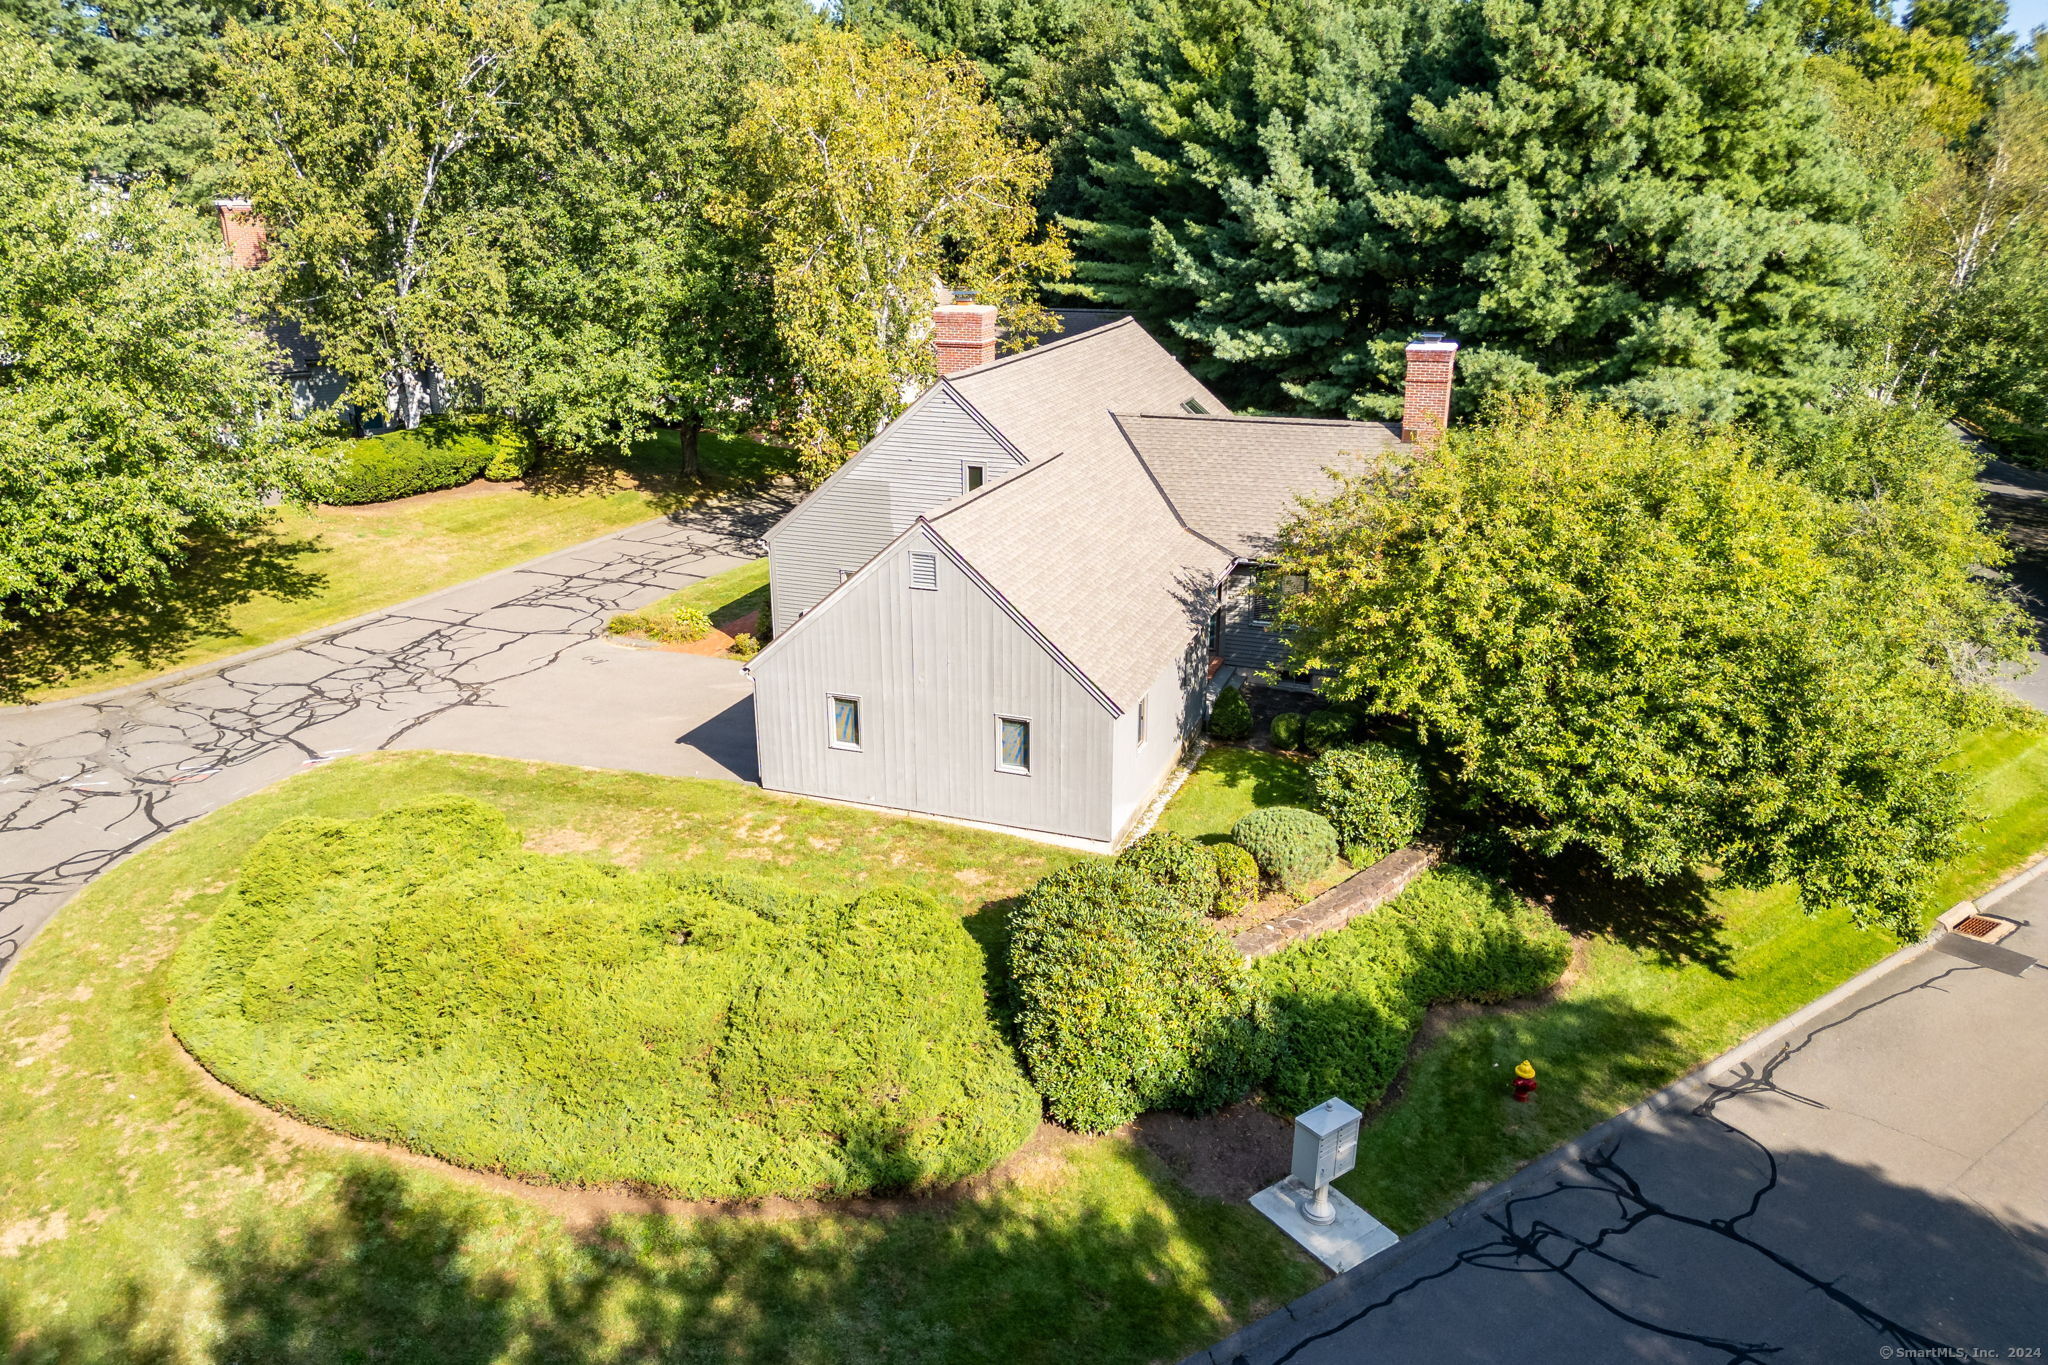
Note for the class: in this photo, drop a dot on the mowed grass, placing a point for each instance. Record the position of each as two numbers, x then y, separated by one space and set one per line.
148 1217
1229 783
724 597
1656 999
316 567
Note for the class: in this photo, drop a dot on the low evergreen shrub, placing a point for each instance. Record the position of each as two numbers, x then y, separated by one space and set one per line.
419 977
444 452
744 646
1345 1006
1125 1002
1182 868
1292 846
1230 717
1237 879
1286 730
1327 728
1373 795
681 626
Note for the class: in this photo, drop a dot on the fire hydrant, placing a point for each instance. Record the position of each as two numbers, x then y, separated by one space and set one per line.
1525 1082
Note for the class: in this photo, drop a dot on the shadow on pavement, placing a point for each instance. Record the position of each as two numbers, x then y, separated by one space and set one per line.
727 739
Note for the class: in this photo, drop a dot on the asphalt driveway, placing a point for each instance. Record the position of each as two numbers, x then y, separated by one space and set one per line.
513 664
1867 1181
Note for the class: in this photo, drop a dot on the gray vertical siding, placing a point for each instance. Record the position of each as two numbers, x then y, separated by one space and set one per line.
899 476
933 670
1175 709
1246 643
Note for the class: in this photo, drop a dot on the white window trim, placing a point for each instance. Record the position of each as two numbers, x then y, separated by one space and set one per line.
1030 743
832 739
966 483
1144 716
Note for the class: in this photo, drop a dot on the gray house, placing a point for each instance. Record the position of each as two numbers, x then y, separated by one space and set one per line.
1012 606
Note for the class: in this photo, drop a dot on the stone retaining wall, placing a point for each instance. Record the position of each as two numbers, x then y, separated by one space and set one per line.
1367 890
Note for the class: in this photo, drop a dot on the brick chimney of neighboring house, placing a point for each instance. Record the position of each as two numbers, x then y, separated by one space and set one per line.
242 230
1426 395
963 335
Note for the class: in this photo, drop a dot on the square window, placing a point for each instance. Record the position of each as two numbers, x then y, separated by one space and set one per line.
846 722
1013 745
977 475
924 570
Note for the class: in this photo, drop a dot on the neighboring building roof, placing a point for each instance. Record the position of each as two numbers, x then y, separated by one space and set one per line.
302 352
1084 547
1059 396
1234 480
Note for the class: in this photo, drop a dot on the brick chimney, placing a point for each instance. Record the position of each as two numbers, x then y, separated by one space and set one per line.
242 230
963 335
1426 394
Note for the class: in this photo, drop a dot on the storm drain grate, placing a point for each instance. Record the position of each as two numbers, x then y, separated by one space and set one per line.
1980 926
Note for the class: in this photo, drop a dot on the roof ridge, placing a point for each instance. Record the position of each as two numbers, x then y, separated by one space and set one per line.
1043 348
1274 419
948 509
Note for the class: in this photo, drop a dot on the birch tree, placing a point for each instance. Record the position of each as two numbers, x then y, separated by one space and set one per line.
383 146
871 174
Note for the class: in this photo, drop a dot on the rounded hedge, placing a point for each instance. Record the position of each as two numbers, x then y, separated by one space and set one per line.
444 452
1373 795
1328 728
1182 868
1286 730
1237 879
1230 717
1125 1002
420 978
1290 845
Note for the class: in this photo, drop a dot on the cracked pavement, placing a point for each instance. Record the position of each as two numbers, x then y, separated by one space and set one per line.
514 663
1869 1183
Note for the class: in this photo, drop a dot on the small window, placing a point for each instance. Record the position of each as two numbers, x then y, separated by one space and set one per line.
1144 704
1194 405
977 475
1013 745
846 722
924 570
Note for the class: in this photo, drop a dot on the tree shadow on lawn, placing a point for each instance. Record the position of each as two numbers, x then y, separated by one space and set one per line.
391 1270
154 627
654 466
1675 922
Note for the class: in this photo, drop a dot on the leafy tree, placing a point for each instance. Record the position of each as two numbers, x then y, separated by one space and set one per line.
1637 199
868 174
148 68
641 310
137 408
1673 645
386 147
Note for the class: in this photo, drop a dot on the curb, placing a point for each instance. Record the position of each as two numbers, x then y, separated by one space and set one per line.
1286 1322
247 656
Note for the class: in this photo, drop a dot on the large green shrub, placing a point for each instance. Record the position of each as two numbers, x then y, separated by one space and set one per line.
444 452
677 626
418 977
1286 730
1237 878
1125 1002
1373 794
1327 728
1290 845
1230 716
1182 868
1346 1005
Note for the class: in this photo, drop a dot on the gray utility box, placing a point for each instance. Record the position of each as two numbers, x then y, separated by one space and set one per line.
1325 1143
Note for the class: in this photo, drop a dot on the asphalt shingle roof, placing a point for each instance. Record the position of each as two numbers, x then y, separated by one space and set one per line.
1235 479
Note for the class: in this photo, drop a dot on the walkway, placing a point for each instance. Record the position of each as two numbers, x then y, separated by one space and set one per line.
513 664
1868 1181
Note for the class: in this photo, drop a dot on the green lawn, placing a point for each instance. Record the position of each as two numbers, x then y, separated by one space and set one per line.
310 569
724 597
1227 784
146 1217
1654 1002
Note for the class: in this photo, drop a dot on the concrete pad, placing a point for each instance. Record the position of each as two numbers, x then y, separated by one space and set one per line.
1355 1237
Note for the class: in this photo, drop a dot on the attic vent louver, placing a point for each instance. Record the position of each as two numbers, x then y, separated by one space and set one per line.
924 570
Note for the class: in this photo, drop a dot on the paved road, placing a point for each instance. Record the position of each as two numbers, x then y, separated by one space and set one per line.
1869 1183
512 664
